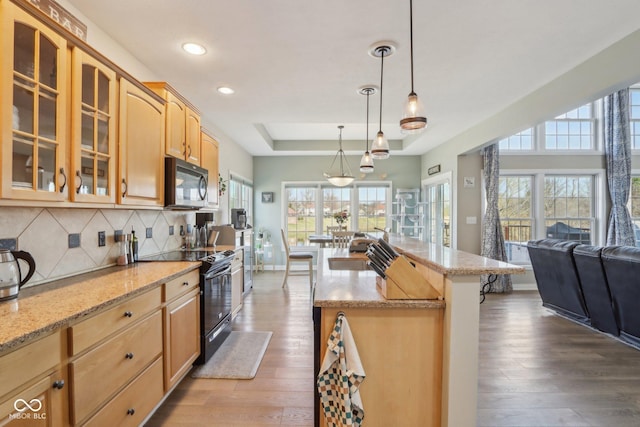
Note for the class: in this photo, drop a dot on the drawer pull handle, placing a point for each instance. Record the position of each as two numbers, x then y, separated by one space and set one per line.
131 411
58 385
128 356
185 283
128 314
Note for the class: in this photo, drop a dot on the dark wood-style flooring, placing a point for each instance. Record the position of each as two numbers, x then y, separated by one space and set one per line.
536 369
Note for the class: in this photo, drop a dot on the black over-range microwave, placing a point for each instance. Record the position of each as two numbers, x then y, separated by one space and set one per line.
185 185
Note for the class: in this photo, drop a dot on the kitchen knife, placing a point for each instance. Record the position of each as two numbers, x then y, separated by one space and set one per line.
387 247
379 257
374 258
376 269
379 250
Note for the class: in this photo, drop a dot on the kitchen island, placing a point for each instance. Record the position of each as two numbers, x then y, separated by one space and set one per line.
420 356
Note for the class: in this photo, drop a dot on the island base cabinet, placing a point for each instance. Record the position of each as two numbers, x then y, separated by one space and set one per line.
401 352
133 404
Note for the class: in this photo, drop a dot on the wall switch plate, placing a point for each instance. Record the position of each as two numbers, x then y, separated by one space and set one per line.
74 240
472 220
171 231
102 238
11 244
149 232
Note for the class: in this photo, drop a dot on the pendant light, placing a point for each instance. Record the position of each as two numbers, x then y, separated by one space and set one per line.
366 163
413 116
343 179
380 146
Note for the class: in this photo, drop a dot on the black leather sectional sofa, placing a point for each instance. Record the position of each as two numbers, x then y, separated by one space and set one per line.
596 286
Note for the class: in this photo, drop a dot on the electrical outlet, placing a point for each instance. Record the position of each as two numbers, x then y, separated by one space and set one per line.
102 238
117 235
171 231
74 240
149 232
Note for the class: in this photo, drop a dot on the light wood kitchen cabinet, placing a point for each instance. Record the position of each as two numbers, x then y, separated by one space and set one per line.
33 385
210 157
114 358
93 119
34 108
131 406
182 137
141 159
181 327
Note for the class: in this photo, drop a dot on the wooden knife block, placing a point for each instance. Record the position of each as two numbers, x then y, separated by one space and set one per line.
405 282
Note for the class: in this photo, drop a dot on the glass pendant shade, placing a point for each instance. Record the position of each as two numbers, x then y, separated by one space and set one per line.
343 177
366 163
340 181
413 118
380 147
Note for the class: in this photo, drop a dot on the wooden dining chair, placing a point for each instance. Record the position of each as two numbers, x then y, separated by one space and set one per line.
332 228
341 239
306 257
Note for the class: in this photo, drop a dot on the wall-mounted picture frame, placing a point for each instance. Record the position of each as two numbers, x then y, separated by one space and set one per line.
267 197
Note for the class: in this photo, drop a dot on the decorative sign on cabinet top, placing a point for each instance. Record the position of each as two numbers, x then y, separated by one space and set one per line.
62 17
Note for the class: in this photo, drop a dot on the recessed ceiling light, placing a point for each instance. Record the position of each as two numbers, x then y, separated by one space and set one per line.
194 48
225 90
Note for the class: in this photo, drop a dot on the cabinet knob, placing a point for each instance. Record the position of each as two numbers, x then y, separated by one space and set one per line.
128 356
124 187
185 283
128 314
131 411
58 385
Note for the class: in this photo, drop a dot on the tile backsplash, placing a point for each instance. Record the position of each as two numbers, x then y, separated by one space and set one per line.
45 234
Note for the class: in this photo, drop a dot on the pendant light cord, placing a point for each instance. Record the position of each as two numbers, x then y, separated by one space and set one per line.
411 38
383 49
368 93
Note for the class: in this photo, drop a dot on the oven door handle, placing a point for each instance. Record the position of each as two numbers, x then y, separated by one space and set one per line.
224 272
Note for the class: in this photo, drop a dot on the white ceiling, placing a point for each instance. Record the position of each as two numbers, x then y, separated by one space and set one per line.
297 65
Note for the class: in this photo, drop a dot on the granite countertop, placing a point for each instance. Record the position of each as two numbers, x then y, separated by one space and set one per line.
357 289
449 261
41 309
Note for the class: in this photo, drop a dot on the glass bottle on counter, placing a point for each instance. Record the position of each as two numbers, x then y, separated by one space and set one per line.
134 246
123 254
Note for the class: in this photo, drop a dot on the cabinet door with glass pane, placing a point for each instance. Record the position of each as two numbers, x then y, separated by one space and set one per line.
93 158
34 122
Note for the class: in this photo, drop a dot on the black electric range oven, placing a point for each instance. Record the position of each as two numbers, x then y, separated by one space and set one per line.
215 295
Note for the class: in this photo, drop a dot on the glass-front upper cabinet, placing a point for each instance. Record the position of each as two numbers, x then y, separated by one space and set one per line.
33 109
93 159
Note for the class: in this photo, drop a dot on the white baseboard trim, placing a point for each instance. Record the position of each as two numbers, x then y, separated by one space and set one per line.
525 287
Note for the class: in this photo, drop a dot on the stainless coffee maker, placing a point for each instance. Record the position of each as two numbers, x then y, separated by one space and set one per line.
239 218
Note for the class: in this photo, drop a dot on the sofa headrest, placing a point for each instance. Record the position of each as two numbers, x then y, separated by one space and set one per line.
622 253
588 250
553 244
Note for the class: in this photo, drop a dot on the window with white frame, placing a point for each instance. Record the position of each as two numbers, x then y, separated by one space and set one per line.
537 205
336 201
634 206
515 204
521 141
372 208
634 117
241 195
571 131
311 208
300 215
569 207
